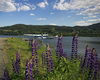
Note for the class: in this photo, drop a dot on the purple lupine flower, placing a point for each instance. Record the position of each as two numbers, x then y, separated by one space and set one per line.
14 66
6 74
51 62
43 59
60 47
74 46
17 63
29 70
59 52
87 58
49 59
94 67
34 56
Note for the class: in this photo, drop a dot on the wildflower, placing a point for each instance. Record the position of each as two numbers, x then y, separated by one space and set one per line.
6 74
14 66
59 52
87 58
74 46
17 63
94 66
49 59
29 70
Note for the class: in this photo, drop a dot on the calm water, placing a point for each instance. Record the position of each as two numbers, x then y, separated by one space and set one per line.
82 42
67 43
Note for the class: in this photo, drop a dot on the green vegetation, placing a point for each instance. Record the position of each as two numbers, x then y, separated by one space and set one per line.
63 69
20 29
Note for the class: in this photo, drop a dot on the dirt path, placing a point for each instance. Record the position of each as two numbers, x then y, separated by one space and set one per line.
3 57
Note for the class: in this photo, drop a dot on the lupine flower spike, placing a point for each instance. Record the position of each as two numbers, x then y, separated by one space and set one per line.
94 66
29 70
74 46
59 52
34 56
18 62
87 58
14 66
49 59
6 74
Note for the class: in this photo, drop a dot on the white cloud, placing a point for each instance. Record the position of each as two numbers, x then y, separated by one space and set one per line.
41 19
7 5
10 5
25 0
43 4
31 14
51 13
82 23
89 17
53 24
75 4
93 20
24 7
88 22
88 7
33 7
91 11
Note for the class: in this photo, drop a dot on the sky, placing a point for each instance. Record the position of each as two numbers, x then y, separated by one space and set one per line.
49 12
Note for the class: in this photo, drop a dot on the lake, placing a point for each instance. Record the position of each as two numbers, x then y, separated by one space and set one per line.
67 43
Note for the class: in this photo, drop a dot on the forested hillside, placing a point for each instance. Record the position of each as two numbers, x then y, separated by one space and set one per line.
20 29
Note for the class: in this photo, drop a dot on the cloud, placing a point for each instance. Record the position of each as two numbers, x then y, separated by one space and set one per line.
53 24
33 7
10 5
93 20
89 17
86 7
31 14
88 22
75 4
82 23
43 4
41 19
91 11
7 6
24 7
51 13
25 0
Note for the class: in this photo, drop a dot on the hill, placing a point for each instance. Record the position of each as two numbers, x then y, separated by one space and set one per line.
20 29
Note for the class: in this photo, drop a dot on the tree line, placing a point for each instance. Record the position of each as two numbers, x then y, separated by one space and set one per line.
20 29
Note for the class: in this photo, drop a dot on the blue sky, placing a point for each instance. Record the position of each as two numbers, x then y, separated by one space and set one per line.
49 12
